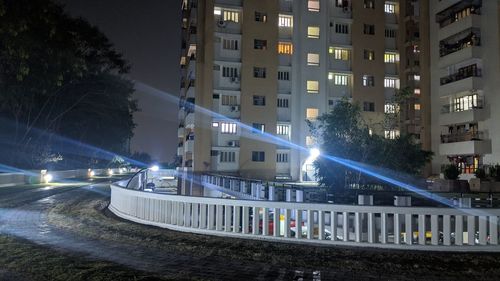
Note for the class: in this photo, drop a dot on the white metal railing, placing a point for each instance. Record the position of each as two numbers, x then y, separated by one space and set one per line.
372 226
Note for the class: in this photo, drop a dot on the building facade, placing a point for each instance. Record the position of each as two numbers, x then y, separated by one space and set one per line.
254 71
465 86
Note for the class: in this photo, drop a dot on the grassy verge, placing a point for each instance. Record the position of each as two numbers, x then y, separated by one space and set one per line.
90 218
18 258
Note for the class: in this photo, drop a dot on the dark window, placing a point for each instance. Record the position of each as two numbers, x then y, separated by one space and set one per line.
283 103
260 17
283 75
341 28
368 81
258 128
259 100
259 44
369 29
369 4
259 72
215 96
390 33
369 106
369 54
258 156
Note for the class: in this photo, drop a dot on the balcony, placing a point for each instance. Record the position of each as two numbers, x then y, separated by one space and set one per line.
459 86
189 120
339 65
466 39
189 146
286 6
471 21
462 73
473 115
472 147
462 137
457 12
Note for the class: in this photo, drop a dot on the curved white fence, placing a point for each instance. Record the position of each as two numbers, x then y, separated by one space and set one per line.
370 226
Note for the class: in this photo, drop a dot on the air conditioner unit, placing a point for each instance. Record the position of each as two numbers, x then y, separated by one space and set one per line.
221 23
346 9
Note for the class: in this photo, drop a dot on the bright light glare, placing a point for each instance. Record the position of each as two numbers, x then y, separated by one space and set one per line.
314 153
155 168
110 172
47 178
92 173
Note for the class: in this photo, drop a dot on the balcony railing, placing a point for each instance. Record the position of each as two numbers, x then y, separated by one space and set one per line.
461 74
450 108
448 17
472 39
460 137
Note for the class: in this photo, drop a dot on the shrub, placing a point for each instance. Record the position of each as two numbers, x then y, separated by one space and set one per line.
451 172
480 173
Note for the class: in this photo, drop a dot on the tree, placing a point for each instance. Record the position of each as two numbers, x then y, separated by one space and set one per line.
59 76
342 133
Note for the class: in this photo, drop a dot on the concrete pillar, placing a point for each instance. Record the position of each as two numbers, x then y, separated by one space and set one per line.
272 194
299 195
290 195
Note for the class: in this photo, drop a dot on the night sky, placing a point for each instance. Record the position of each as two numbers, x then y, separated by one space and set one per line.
147 32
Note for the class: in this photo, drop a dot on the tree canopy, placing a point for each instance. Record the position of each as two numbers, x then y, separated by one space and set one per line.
61 87
344 134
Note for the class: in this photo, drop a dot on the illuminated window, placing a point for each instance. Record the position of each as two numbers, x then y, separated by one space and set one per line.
285 48
229 100
228 128
312 59
260 17
416 77
391 134
313 5
313 32
391 57
416 91
330 76
217 11
231 15
390 82
341 79
312 87
390 8
215 124
417 106
391 108
312 113
340 53
282 130
285 21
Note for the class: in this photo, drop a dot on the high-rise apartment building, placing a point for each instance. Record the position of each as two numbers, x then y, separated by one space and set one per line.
271 65
464 42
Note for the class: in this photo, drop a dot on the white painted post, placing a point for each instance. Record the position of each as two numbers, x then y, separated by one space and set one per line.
288 215
195 215
265 222
298 224
219 212
276 224
255 220
434 230
421 229
228 211
173 218
357 226
483 231
383 228
187 214
203 216
168 212
321 225
408 229
471 229
397 231
236 219
211 216
333 225
447 230
493 230
180 214
310 224
459 230
246 223
371 228
345 225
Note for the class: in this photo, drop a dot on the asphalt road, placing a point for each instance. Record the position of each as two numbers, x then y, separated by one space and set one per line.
24 213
